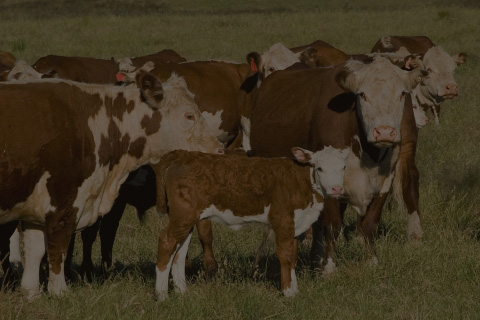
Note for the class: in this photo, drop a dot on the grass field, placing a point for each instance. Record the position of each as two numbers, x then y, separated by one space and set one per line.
439 279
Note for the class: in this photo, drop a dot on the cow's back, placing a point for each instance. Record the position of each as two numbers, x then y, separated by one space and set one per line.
166 55
414 44
301 108
327 55
81 69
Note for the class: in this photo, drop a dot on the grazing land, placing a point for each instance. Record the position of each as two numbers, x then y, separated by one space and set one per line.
439 279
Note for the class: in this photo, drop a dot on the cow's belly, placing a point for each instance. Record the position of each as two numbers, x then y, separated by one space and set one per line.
304 218
34 208
229 218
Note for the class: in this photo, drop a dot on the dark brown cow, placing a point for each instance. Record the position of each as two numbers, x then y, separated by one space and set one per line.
439 85
352 104
236 190
67 148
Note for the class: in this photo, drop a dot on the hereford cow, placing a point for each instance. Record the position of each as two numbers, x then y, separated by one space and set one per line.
235 190
81 142
440 84
437 87
352 104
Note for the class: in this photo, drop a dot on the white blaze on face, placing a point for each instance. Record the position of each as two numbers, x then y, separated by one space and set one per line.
440 66
23 71
380 87
278 57
183 127
329 164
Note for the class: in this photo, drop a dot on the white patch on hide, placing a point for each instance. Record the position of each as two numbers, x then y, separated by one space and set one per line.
229 218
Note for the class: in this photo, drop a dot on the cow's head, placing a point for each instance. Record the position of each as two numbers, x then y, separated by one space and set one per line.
178 124
380 87
277 57
329 165
440 84
23 71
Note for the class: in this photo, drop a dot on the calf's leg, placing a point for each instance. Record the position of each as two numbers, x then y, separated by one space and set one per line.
204 229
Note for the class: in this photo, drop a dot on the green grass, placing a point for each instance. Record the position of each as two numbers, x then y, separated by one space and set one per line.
439 279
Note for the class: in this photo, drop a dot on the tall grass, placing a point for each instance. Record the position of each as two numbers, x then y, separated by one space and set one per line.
438 279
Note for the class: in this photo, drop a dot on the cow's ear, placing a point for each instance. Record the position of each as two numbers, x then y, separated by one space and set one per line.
254 59
309 56
460 58
302 155
414 77
413 61
151 88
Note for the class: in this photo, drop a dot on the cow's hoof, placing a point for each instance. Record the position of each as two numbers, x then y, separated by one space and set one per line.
329 268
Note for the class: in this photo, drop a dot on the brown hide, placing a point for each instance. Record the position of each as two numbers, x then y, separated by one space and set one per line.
414 44
166 55
215 86
304 108
326 55
7 61
81 69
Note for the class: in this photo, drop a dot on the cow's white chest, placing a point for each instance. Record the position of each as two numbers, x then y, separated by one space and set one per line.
229 218
304 218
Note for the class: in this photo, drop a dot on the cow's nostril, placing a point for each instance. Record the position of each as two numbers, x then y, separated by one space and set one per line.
221 151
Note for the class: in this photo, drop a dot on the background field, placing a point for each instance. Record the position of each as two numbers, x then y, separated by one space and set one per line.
439 279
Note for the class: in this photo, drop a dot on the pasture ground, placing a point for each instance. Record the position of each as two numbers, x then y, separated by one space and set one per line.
439 279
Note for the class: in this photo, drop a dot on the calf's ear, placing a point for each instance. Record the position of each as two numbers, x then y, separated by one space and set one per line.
151 89
460 58
302 155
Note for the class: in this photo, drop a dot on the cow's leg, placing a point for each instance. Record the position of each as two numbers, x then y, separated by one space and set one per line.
59 228
6 231
69 258
178 266
34 247
169 243
328 226
15 252
108 230
367 225
88 238
410 190
287 247
204 229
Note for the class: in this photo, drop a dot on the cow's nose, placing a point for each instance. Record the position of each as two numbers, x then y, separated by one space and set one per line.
384 133
221 151
450 90
337 190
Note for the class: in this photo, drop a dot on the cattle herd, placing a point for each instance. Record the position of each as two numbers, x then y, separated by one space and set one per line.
288 139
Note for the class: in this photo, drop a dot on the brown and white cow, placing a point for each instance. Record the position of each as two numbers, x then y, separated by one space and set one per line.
67 147
353 104
236 190
439 85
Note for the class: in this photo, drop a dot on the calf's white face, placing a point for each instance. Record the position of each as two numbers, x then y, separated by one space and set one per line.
380 88
23 71
329 165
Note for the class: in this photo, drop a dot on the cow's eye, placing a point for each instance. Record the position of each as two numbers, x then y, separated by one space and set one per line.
190 116
362 95
271 69
429 70
319 169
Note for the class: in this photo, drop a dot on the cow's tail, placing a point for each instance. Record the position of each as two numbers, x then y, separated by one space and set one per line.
397 186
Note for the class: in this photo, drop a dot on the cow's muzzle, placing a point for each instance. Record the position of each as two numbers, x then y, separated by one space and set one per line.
450 91
384 135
